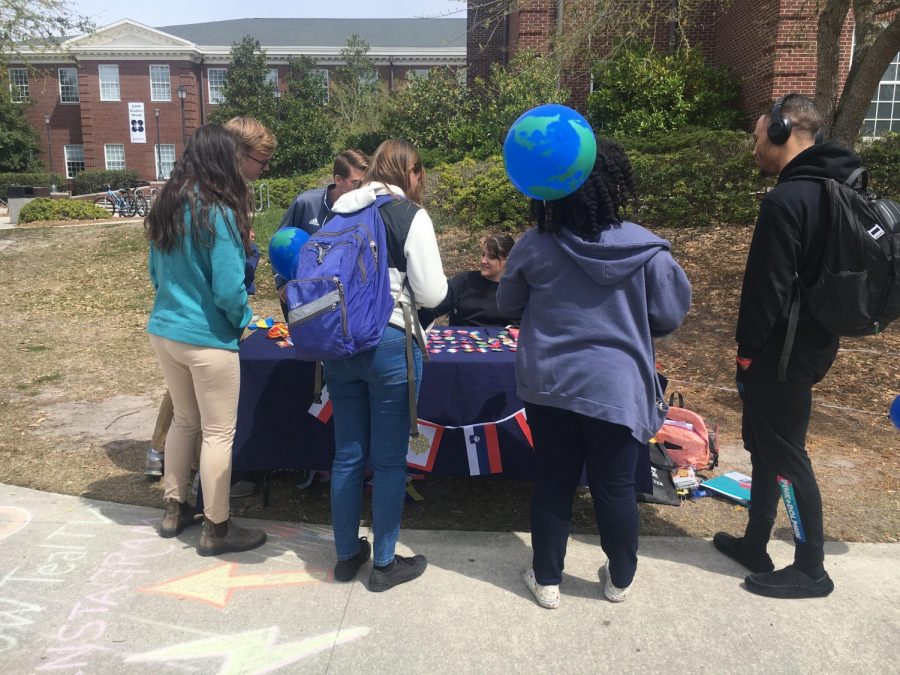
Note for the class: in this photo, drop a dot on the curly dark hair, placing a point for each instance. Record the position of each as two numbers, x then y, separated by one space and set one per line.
599 203
207 177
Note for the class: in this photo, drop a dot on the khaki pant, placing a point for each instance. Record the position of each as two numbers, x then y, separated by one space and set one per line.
204 384
161 430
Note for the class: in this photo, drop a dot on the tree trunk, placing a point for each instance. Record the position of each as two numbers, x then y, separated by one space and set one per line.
828 58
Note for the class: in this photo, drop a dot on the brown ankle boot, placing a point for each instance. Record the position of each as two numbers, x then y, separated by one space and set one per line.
226 537
178 516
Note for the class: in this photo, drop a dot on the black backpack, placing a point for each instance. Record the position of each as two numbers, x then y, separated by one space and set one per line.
857 290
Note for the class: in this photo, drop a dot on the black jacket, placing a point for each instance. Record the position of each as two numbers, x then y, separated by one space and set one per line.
788 241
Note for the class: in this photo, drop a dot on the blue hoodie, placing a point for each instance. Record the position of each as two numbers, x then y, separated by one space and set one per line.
590 311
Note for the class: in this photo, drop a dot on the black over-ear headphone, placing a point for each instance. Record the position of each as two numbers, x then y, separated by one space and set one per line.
779 130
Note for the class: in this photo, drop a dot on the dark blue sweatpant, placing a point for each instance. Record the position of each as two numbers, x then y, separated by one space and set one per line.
564 443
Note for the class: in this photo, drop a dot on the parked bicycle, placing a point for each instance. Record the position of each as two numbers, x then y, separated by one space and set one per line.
125 201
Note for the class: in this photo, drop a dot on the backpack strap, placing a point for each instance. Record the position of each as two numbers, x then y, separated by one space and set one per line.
791 333
855 176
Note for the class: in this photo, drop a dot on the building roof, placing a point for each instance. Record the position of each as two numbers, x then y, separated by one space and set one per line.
383 33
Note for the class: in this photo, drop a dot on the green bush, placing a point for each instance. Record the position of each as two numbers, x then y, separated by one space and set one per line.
282 191
881 157
696 178
96 180
478 195
32 179
424 109
60 209
640 90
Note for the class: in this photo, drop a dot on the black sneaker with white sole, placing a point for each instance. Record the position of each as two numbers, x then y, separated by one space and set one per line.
789 582
346 570
398 572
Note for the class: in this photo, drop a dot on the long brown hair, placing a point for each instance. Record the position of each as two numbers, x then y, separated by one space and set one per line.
207 177
392 163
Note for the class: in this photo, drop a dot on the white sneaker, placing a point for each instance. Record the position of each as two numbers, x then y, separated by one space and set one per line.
547 596
613 593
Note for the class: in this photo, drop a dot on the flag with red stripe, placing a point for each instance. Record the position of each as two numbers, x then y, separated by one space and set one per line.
482 449
522 421
421 454
322 411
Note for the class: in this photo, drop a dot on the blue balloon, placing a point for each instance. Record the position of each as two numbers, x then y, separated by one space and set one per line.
895 412
284 246
549 152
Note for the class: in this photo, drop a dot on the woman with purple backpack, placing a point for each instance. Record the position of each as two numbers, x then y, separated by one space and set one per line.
594 291
369 391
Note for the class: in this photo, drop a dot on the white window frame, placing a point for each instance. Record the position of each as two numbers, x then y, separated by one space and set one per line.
323 73
110 89
413 73
74 154
114 154
889 87
18 85
161 85
164 165
272 78
68 90
219 87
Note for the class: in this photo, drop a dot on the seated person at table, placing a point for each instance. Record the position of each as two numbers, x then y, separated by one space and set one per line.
472 296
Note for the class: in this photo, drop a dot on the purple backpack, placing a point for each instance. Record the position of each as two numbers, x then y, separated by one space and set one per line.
339 300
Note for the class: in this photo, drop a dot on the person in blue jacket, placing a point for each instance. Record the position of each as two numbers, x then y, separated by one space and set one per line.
594 291
199 233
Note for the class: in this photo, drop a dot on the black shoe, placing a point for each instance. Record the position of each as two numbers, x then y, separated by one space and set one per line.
398 572
758 561
346 570
789 583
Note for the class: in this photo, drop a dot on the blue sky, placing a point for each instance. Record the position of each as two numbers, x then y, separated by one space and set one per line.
173 12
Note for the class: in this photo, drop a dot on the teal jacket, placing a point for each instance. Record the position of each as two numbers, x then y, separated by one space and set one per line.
201 298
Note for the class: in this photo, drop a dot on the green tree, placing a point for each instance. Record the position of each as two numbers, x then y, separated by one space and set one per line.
305 128
640 90
354 94
19 142
37 25
247 91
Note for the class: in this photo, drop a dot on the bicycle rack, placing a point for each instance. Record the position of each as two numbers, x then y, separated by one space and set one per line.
261 193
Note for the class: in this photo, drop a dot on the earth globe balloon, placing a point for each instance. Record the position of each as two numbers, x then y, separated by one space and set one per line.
284 246
549 152
895 412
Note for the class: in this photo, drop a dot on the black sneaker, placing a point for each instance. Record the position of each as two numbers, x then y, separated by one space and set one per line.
346 570
400 571
789 583
733 547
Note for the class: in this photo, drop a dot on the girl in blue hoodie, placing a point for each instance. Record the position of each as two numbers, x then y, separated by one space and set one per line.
199 234
593 290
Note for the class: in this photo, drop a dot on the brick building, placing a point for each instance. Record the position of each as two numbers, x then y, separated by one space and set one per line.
127 95
770 45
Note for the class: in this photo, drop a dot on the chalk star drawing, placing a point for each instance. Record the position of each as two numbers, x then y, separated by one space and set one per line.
12 519
254 651
216 586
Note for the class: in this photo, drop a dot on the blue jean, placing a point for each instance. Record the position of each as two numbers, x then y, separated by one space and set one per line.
371 425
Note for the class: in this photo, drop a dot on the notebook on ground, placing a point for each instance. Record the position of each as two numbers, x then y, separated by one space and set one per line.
733 485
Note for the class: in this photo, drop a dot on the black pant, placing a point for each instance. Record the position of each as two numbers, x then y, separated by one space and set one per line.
564 442
775 422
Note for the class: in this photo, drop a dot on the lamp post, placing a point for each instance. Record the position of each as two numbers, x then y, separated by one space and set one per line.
158 153
278 102
50 153
182 94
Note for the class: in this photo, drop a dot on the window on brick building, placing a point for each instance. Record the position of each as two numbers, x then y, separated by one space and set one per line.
216 81
272 78
160 84
883 114
323 75
68 85
413 73
462 77
115 156
18 84
109 83
74 160
165 160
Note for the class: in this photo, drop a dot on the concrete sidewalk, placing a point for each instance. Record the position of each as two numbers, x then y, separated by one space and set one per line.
89 586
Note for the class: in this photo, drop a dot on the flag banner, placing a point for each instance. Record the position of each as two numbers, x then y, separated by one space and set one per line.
422 456
482 449
136 122
322 411
522 421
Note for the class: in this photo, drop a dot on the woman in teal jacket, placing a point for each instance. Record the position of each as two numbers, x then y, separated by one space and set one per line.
199 234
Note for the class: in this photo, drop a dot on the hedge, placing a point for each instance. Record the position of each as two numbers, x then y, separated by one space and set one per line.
60 209
282 191
96 180
882 157
30 179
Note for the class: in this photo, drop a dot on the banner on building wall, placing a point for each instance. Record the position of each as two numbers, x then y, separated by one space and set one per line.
136 122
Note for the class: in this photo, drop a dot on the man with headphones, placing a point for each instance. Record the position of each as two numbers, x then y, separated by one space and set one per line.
788 243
